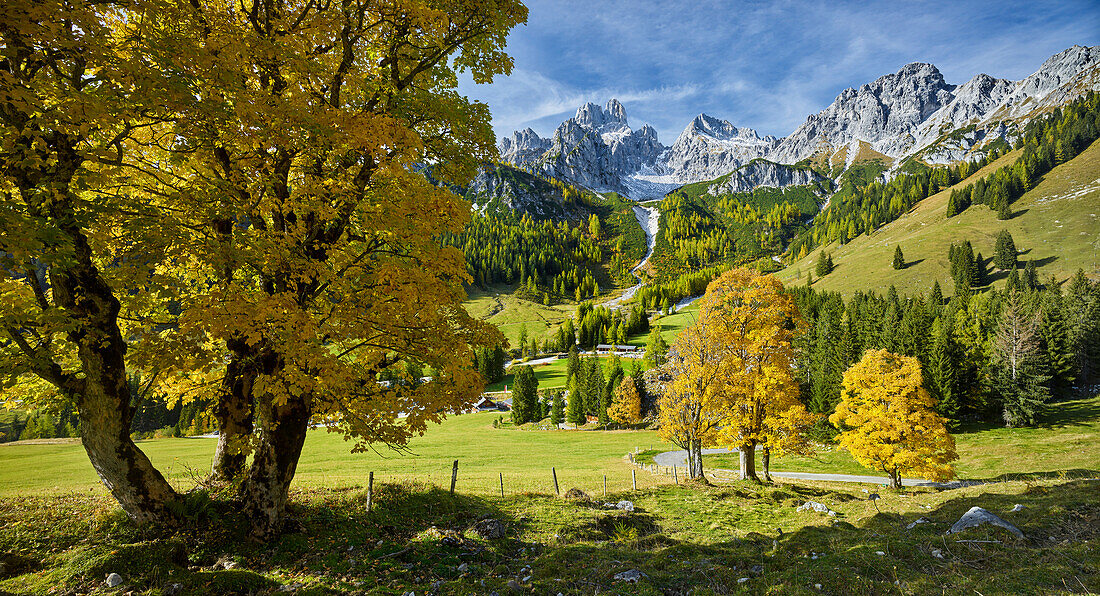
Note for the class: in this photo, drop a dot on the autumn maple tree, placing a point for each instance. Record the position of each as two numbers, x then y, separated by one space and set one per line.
279 172
888 422
732 380
626 408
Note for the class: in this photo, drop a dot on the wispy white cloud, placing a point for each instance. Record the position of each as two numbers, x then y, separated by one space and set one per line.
766 65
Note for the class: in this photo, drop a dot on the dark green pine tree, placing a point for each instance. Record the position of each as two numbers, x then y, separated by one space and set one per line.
593 386
899 258
557 409
614 378
1057 347
1004 257
824 264
1083 310
525 396
942 370
1013 282
1019 378
981 273
1031 276
496 370
574 413
953 204
573 365
935 299
1004 208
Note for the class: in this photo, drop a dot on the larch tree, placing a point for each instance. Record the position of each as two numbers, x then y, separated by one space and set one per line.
888 422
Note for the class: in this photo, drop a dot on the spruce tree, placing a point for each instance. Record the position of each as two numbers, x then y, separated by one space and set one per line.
1004 258
496 369
593 387
899 258
574 413
980 272
1057 348
824 264
525 406
1031 276
573 365
935 299
1019 379
557 409
943 370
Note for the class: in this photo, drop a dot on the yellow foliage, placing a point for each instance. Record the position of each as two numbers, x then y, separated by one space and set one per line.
731 372
627 406
889 421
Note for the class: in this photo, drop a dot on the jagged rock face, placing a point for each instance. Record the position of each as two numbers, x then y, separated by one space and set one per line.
595 148
710 147
911 112
991 108
890 107
761 173
523 147
505 187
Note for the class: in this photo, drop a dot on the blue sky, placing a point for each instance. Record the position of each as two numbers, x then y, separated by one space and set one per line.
766 65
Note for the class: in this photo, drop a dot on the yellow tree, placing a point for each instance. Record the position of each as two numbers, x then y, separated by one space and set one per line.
309 131
788 434
627 406
888 422
264 161
755 320
77 252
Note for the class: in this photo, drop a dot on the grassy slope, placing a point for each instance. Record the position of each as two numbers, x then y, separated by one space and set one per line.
510 313
695 540
1055 224
581 457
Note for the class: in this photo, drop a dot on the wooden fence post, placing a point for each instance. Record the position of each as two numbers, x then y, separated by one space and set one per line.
634 478
502 485
605 486
555 473
674 477
454 476
370 491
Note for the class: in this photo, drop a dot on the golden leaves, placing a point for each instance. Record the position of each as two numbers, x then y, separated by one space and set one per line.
889 421
732 380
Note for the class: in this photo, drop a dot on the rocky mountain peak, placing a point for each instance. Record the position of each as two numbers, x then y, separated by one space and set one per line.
609 118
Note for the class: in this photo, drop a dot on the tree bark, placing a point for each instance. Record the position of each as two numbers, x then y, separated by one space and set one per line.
282 433
103 395
748 462
695 460
895 478
234 413
766 459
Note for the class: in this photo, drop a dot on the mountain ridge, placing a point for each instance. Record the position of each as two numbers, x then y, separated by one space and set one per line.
913 112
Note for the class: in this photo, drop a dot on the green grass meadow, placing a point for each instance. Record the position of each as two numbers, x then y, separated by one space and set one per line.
525 458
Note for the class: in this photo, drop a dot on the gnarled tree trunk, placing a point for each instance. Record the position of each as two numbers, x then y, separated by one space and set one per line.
103 395
282 433
748 462
234 413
